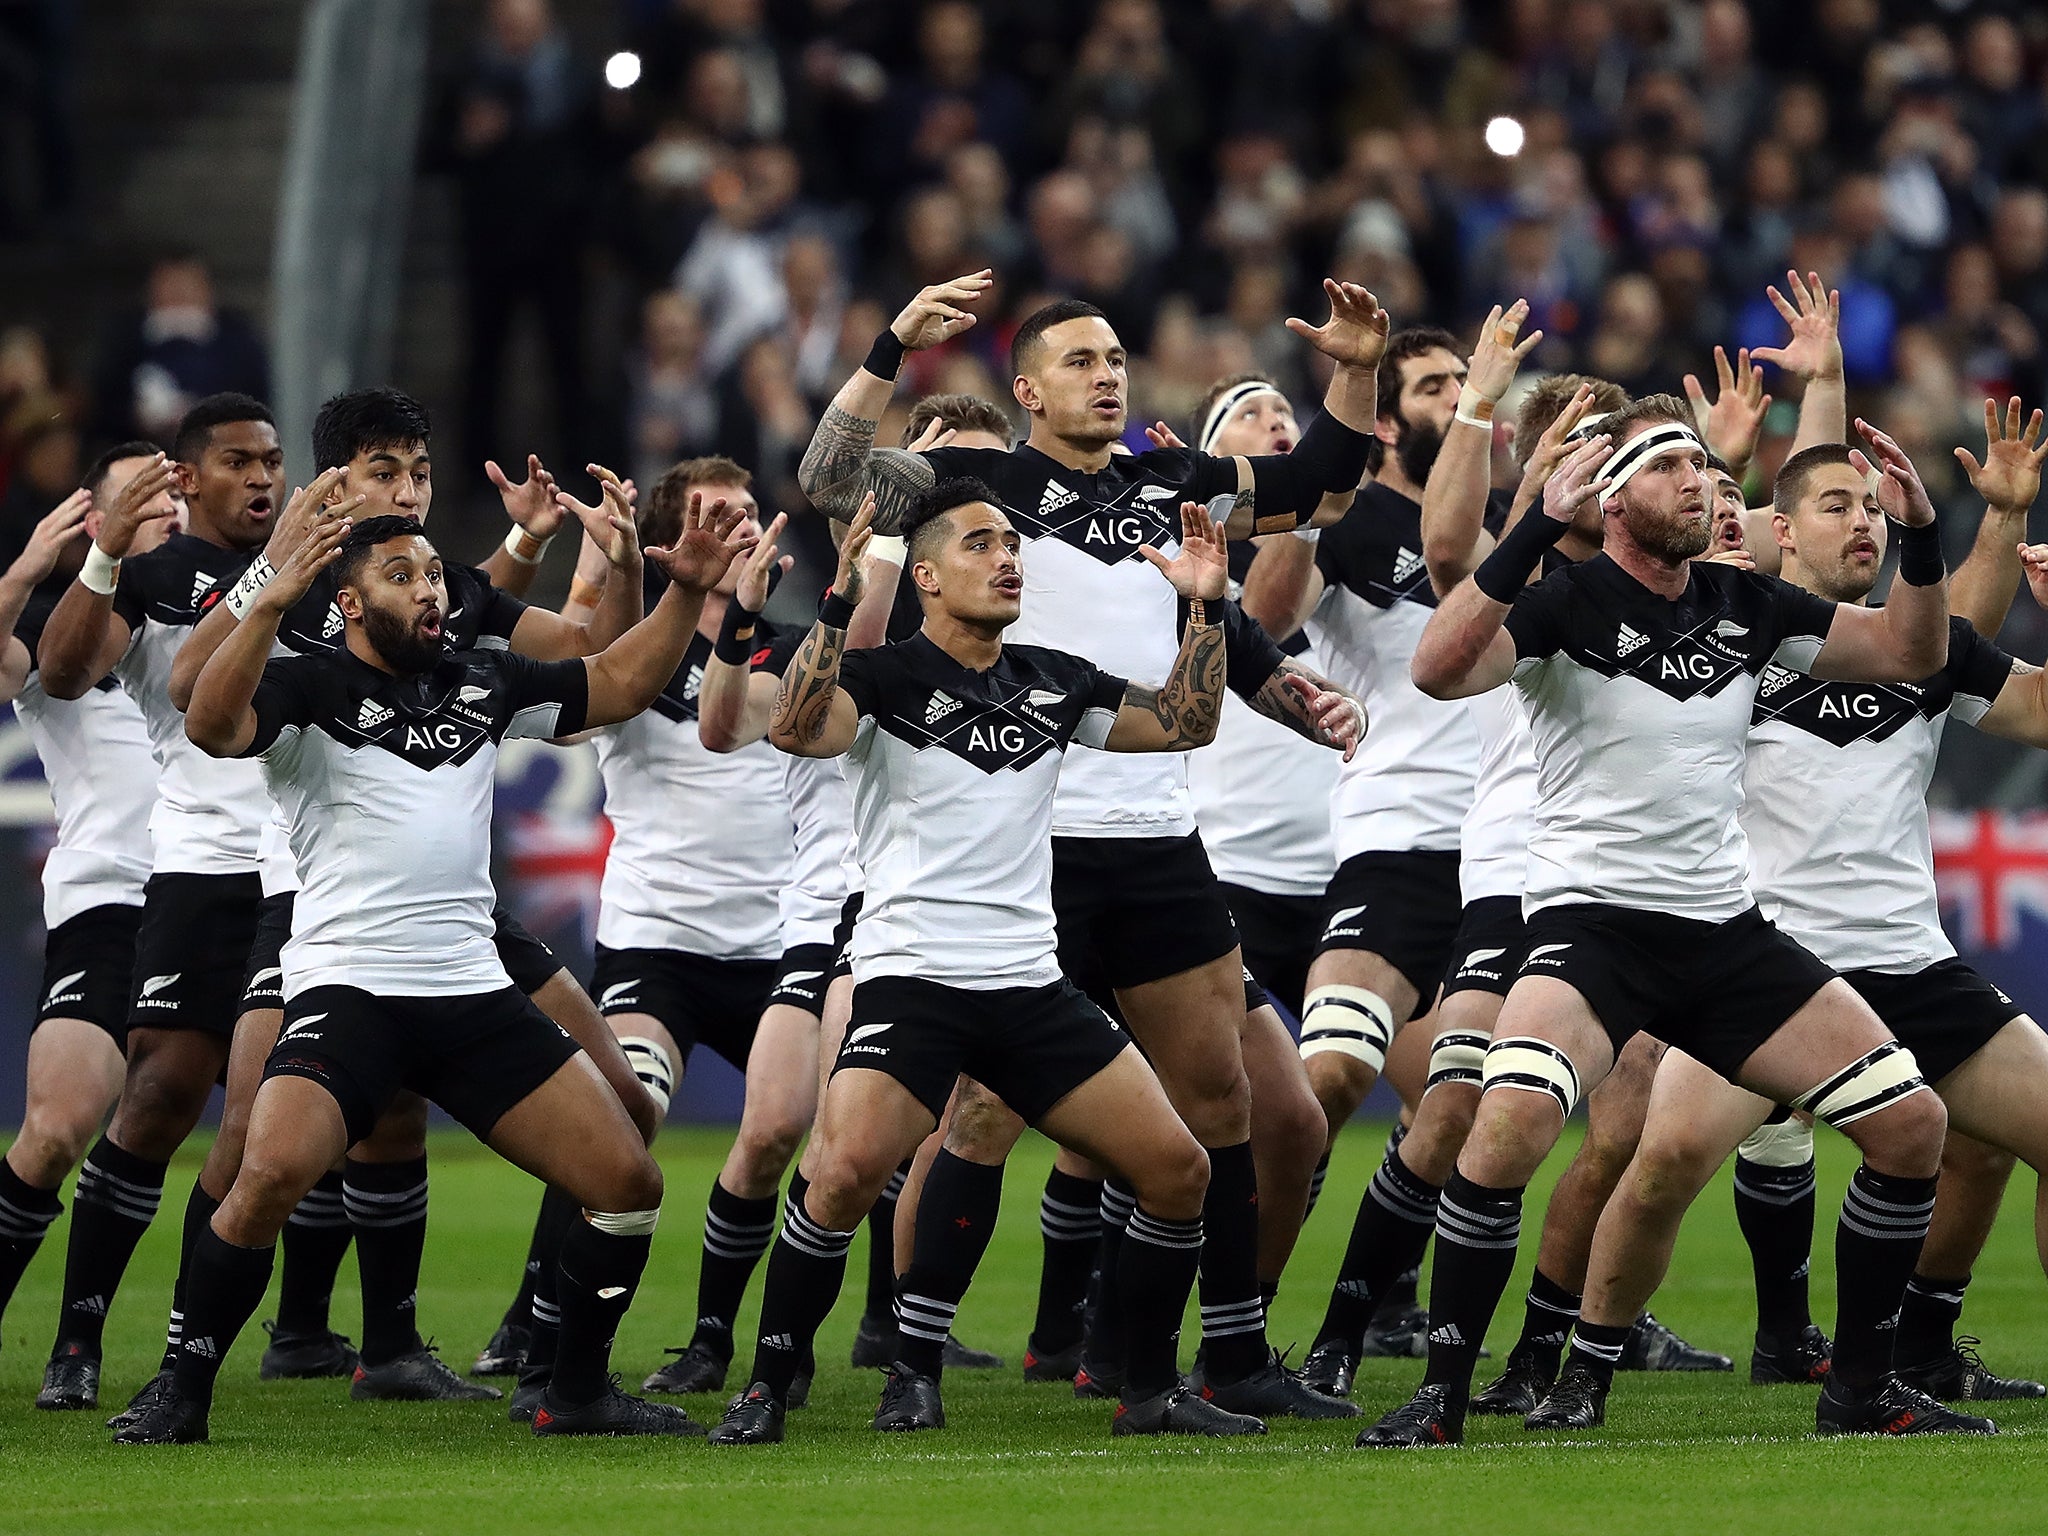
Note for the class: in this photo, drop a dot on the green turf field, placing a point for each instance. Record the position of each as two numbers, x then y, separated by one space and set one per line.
1681 1454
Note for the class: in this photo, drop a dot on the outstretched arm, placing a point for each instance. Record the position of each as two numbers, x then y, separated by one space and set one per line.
734 702
1182 712
549 636
536 517
2009 479
1814 353
843 463
813 718
1454 536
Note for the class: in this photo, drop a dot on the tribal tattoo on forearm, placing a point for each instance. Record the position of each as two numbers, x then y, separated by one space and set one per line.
1280 703
803 704
1191 702
843 464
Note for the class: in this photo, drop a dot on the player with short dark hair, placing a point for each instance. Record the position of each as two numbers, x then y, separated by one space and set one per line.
382 753
955 739
1639 668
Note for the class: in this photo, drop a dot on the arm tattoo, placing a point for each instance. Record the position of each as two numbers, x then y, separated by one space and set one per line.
803 704
1189 705
843 464
1277 702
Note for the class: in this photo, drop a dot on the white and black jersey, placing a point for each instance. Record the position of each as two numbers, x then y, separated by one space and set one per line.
478 617
1261 792
1087 590
209 814
1835 805
701 840
954 775
1639 708
102 777
824 870
387 784
1410 784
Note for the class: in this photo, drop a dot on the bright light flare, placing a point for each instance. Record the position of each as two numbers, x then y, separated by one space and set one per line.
622 70
1504 136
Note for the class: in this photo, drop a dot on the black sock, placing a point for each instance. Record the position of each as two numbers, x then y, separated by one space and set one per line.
1598 1347
560 1215
1104 1344
597 1274
1774 1208
880 1306
1395 1217
315 1241
1877 1242
25 1216
1315 1184
1233 1313
1070 1222
224 1288
387 1206
955 1219
199 1209
737 1232
805 1271
113 1205
543 1251
1156 1264
1549 1313
1927 1319
1476 1232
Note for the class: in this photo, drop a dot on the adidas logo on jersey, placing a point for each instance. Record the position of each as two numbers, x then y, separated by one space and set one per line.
1407 564
373 715
1055 497
1774 678
939 706
332 624
59 995
1629 641
201 585
693 684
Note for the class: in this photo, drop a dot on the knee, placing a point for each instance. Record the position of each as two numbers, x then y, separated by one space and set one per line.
53 1139
1340 1084
1441 1128
265 1192
1512 1131
765 1147
1668 1173
1915 1131
844 1184
640 1184
1296 1130
1174 1185
983 1128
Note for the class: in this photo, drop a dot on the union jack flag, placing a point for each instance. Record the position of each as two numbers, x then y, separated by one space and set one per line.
556 863
1988 867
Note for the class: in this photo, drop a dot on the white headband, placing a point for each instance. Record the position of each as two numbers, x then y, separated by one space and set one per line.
1587 427
1226 403
1639 450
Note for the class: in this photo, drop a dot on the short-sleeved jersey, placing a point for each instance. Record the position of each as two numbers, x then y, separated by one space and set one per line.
701 844
1835 804
1639 708
102 777
1087 590
954 774
825 870
478 617
387 785
1411 782
209 814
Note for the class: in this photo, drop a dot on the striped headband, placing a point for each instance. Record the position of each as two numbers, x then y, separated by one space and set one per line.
1229 401
1586 428
1639 450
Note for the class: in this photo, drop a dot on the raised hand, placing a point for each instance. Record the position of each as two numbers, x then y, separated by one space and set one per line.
1815 315
1552 446
757 574
610 524
850 581
1355 335
1202 568
2034 563
712 537
1498 356
936 315
1162 436
2010 476
304 510
1732 424
1899 490
532 503
130 508
47 539
1572 484
1338 718
1738 557
311 555
936 434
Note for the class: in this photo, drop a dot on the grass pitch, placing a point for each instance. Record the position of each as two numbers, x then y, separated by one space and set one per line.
1681 1453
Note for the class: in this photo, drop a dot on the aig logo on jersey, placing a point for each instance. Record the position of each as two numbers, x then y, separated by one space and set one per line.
450 733
1014 734
1110 532
1842 713
1683 666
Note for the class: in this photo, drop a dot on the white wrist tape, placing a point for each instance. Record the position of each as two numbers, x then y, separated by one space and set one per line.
887 546
100 571
1308 535
245 591
515 544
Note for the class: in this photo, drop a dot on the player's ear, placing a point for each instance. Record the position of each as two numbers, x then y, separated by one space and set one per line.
1781 529
350 602
185 477
925 578
1026 392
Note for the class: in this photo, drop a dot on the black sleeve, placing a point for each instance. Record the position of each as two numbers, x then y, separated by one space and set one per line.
1250 653
544 698
284 698
1977 670
1538 622
859 679
500 610
1329 458
948 463
130 602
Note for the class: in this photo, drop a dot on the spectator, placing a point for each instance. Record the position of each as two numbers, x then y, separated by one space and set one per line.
953 99
671 403
180 346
